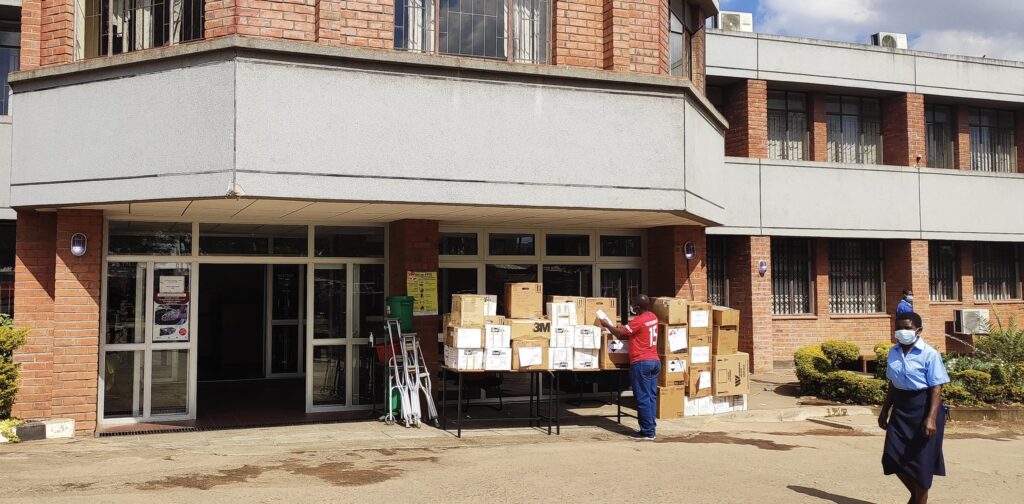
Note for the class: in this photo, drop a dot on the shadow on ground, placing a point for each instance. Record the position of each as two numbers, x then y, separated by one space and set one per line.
823 495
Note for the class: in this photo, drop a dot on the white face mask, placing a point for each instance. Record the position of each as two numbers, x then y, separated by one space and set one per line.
906 336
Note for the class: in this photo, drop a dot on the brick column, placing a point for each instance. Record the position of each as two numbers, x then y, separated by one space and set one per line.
634 33
668 271
746 109
219 18
578 33
33 308
76 314
818 135
821 284
412 246
962 147
31 33
359 23
903 130
906 267
57 35
697 52
751 293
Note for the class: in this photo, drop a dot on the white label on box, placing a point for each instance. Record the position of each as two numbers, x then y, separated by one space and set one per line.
618 346
676 339
562 337
467 337
704 381
530 356
700 355
677 366
585 358
699 318
560 358
497 336
498 359
588 337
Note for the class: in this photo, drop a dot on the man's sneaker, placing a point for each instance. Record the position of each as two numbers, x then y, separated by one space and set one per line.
641 437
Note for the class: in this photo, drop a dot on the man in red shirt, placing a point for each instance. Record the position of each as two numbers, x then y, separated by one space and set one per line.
644 363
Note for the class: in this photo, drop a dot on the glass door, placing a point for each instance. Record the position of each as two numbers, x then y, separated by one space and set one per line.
285 320
621 284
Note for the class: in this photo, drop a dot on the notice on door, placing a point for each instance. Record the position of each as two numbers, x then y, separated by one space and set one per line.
422 286
170 303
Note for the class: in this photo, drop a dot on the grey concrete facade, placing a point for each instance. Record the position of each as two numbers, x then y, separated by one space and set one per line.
6 130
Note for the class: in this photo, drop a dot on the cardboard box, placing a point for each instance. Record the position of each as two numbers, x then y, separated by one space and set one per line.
730 404
699 406
725 340
699 339
699 355
579 301
670 402
670 310
562 314
530 354
723 316
464 358
699 383
490 305
529 328
587 337
732 374
673 370
608 305
467 310
497 336
700 318
586 358
560 358
562 337
672 339
524 300
614 352
494 320
464 337
497 359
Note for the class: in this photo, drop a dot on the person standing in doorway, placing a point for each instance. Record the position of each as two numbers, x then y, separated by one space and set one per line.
644 363
906 304
913 415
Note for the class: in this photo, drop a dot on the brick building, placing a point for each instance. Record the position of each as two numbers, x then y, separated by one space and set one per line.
216 210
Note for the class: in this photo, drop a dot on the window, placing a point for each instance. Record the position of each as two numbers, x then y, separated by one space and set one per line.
7 237
346 241
478 28
509 244
623 284
939 135
854 130
568 279
996 272
497 275
106 27
621 246
567 245
149 238
855 276
253 239
787 125
992 140
10 54
458 244
791 276
717 285
680 37
943 271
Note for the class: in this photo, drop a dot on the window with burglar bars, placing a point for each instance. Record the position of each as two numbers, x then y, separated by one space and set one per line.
996 271
855 276
478 28
681 28
992 140
854 130
943 271
717 284
939 134
791 276
787 125
107 27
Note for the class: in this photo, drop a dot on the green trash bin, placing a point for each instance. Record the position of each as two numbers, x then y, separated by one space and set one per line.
400 307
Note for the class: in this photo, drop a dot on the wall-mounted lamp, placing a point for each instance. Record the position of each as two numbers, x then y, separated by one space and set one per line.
689 250
762 267
78 244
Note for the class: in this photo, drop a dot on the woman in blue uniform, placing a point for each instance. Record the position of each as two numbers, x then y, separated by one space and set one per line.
913 430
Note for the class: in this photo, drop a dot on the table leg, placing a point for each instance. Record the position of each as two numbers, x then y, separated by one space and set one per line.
618 390
551 382
458 407
444 397
558 417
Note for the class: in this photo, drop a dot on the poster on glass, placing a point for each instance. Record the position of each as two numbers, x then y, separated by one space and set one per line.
171 302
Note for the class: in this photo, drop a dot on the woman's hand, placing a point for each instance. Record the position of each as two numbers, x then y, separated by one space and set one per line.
883 420
929 426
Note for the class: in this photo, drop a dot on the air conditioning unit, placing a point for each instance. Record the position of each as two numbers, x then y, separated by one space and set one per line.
890 40
735 21
972 321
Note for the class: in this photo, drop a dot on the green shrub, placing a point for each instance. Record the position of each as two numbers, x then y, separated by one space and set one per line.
958 363
881 359
11 339
7 429
840 353
1008 374
1014 394
811 366
1005 344
848 386
958 395
972 380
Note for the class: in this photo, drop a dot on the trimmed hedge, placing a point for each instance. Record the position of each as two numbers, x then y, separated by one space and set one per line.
817 368
11 339
840 353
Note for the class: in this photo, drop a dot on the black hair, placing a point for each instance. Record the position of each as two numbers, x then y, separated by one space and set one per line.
906 291
911 316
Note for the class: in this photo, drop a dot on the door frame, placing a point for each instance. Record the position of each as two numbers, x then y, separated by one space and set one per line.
269 326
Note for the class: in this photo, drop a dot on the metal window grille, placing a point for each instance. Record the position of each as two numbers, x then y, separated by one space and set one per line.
791 276
939 135
855 276
107 27
680 38
787 125
943 271
478 28
996 271
992 140
9 61
717 284
854 130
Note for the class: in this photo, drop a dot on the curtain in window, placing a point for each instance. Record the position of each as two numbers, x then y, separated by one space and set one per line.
995 272
716 270
943 271
855 276
530 18
414 25
791 276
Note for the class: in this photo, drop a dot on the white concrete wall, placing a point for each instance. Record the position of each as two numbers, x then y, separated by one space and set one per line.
6 130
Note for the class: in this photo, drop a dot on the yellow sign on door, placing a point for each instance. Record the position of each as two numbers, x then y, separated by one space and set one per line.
422 286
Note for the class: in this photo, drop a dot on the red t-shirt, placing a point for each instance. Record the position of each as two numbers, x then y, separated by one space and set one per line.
643 337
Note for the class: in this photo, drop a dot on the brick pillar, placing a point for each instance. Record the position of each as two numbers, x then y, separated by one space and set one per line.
903 130
634 33
76 315
697 53
413 247
821 284
906 267
962 147
818 134
33 308
220 18
31 33
746 109
668 271
57 33
966 300
359 23
578 33
751 293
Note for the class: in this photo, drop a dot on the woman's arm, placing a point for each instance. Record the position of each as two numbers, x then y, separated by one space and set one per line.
934 400
883 416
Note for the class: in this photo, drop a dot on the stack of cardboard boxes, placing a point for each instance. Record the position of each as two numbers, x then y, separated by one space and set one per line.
475 338
701 370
